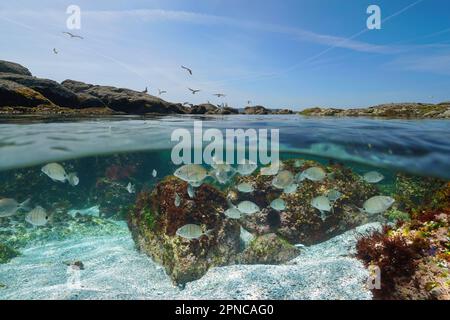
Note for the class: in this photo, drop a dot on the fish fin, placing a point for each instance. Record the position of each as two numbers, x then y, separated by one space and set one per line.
331 175
209 232
25 205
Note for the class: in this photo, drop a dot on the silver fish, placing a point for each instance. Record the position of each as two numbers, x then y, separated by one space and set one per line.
273 169
333 195
177 200
223 176
291 189
298 163
245 187
278 204
9 207
248 207
191 191
233 213
373 177
322 204
191 232
154 173
38 217
313 174
283 179
131 188
55 171
73 179
247 167
191 173
377 204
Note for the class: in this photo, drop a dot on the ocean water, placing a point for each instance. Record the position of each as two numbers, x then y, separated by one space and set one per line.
89 220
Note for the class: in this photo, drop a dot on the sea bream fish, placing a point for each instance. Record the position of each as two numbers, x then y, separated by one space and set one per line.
37 217
246 167
377 205
192 232
9 207
191 173
322 204
57 173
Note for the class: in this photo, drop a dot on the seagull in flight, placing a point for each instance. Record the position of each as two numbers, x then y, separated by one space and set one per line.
187 69
160 92
73 35
219 95
188 104
55 51
193 91
145 91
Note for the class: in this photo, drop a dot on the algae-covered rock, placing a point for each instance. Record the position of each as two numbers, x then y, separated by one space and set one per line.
7 253
155 219
268 249
300 222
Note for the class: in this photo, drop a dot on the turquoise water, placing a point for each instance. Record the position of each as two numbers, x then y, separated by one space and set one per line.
109 153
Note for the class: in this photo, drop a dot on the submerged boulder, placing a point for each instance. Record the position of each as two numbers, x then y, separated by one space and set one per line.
300 222
155 219
7 253
120 99
12 67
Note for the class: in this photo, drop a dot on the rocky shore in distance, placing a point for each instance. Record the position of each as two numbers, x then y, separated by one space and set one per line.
23 93
392 110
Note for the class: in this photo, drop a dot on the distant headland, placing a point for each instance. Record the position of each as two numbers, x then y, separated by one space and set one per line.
23 93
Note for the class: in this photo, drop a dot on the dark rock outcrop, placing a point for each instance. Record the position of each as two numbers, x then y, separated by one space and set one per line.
12 67
52 90
210 109
121 99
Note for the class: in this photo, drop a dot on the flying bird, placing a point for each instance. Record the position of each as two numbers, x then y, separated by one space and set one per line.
188 104
73 35
219 95
249 102
193 91
55 51
160 92
145 91
187 69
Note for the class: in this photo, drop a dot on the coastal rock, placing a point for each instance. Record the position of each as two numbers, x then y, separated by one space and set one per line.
52 90
155 219
12 67
268 249
13 94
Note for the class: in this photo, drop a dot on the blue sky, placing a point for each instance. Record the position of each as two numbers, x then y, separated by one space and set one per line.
291 53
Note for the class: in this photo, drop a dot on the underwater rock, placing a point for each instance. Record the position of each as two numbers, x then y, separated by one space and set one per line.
7 253
155 219
52 90
268 249
300 222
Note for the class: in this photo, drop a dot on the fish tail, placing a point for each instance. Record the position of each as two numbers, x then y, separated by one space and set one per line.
25 205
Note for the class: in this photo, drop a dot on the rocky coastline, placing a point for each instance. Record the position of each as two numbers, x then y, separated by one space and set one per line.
21 93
